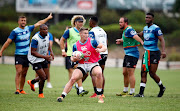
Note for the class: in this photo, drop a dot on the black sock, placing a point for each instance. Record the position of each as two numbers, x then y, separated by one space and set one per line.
62 95
141 90
102 91
33 81
161 86
40 92
95 90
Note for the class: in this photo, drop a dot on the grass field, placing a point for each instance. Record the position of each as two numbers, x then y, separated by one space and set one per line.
114 84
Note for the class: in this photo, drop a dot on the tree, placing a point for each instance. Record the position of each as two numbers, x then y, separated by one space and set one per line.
176 6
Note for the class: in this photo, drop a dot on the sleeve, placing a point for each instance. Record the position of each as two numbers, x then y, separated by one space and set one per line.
130 33
158 32
12 35
91 34
66 34
31 28
34 43
50 37
94 43
74 47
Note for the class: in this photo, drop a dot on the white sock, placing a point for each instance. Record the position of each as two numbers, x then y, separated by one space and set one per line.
81 89
99 89
64 93
76 85
125 89
132 90
142 84
160 82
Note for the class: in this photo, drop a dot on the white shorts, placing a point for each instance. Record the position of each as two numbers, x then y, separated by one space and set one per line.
87 67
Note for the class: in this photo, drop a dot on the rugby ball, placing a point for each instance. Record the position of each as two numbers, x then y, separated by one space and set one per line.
78 53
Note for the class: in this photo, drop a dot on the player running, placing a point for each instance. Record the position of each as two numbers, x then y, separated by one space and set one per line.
39 58
100 36
90 48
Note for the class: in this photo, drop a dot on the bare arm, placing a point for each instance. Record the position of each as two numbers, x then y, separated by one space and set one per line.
43 21
119 41
62 41
50 49
6 44
163 52
137 38
140 34
34 53
101 48
57 41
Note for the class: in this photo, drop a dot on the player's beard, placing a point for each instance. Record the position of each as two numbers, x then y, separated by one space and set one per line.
23 25
121 27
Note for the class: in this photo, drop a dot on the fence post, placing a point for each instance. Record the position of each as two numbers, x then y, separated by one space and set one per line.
167 64
117 62
2 59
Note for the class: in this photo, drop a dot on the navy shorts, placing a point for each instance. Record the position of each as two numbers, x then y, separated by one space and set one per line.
130 61
103 59
40 65
22 59
69 63
155 57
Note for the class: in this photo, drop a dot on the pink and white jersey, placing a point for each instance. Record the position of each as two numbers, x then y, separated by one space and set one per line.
90 54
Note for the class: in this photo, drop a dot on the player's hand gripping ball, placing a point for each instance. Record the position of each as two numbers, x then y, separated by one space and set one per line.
78 54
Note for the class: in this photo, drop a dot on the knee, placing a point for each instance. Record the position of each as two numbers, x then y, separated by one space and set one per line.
99 75
18 72
44 78
73 80
152 74
23 75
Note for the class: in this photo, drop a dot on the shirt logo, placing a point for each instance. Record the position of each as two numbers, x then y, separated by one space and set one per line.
83 48
155 61
128 64
133 32
159 32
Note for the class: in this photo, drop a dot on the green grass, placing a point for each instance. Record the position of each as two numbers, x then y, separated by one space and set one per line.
114 84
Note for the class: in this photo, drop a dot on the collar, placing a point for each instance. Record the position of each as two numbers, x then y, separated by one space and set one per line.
76 29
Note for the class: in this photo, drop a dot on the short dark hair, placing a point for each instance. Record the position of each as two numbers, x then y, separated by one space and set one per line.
21 17
43 25
83 28
125 19
150 14
94 18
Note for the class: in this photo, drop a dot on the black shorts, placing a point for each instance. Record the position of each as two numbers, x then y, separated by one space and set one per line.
69 63
22 59
49 62
103 59
40 65
130 61
155 57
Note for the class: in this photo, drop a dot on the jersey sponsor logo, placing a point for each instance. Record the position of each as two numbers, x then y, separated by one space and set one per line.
91 35
83 48
160 32
133 32
147 37
87 53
